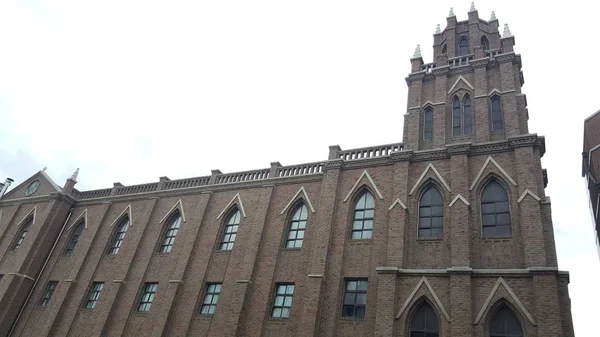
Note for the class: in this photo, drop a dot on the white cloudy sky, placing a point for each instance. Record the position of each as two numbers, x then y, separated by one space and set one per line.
131 90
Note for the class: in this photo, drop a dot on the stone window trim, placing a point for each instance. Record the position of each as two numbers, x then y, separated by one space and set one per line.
74 238
229 229
362 215
494 179
296 223
169 233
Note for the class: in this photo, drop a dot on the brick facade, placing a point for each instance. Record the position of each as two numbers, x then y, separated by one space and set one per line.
591 167
463 274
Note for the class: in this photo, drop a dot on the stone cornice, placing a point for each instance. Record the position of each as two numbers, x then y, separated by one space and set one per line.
523 272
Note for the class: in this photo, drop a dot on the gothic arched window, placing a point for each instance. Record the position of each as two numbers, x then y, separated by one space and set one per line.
504 323
22 233
428 123
297 226
463 46
119 236
497 121
230 230
444 49
364 212
170 233
456 117
431 213
424 322
485 43
462 123
74 238
495 214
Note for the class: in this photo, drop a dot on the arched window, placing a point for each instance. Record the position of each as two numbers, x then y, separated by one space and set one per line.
504 323
463 46
119 236
485 43
297 226
496 112
444 49
467 119
22 233
495 215
462 123
230 230
424 322
431 213
170 234
74 238
456 117
428 123
364 212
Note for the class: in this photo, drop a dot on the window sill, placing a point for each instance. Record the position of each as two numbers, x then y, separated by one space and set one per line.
222 252
141 313
497 238
295 249
433 239
205 316
278 320
360 242
352 320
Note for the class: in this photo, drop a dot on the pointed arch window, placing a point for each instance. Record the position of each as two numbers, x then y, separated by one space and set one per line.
119 236
485 43
444 49
364 212
74 238
497 119
495 213
431 213
504 323
463 46
170 234
22 233
428 123
424 322
462 122
297 227
230 230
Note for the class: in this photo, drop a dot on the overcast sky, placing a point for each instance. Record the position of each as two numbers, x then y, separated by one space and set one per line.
132 90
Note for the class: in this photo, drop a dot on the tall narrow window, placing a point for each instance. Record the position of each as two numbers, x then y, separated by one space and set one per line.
282 304
504 323
119 236
22 233
209 305
431 213
485 43
170 234
50 286
94 295
496 112
467 116
355 298
364 212
424 322
147 297
230 230
428 123
463 46
444 49
495 215
462 123
74 238
297 226
456 117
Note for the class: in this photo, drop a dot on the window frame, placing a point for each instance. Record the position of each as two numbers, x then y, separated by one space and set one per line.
21 233
170 233
363 192
76 233
424 332
116 241
215 293
459 46
285 295
147 297
485 43
94 294
227 245
500 113
462 119
426 189
509 212
48 292
300 206
507 310
427 131
356 292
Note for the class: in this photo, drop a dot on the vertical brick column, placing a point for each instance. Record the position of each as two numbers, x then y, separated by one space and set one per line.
439 111
398 215
547 305
309 317
481 111
457 223
412 121
509 99
461 304
386 299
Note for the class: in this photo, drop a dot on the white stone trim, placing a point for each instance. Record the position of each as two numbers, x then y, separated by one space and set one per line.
365 173
487 161
295 197
240 204
397 202
242 281
460 78
459 197
82 215
22 275
178 206
118 218
56 187
514 297
428 102
315 275
433 294
429 167
494 92
527 191
33 211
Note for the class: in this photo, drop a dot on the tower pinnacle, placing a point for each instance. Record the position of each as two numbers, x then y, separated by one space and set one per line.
437 29
451 14
506 32
493 17
417 53
472 7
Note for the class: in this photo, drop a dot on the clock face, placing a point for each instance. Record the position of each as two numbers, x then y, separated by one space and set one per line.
32 187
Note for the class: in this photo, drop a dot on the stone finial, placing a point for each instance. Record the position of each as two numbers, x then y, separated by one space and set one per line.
493 17
417 53
438 29
472 7
506 32
44 169
74 175
451 14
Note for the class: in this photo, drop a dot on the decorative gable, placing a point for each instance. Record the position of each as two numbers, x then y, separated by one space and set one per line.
37 185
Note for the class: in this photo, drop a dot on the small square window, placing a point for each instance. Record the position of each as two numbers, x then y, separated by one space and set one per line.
282 304
209 305
355 298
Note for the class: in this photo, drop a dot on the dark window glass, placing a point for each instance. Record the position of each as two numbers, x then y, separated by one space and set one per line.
171 233
444 49
485 43
431 213
94 295
496 108
364 212
230 230
504 323
74 238
147 296
282 304
22 233
209 305
297 226
424 322
467 116
463 46
48 292
495 215
456 117
428 123
119 236
355 298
